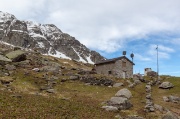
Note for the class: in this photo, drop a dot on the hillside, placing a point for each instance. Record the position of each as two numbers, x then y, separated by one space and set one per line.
40 86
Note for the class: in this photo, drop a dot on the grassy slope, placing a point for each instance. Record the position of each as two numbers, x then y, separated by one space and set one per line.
73 99
159 93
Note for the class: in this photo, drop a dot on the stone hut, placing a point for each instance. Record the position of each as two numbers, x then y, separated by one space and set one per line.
120 67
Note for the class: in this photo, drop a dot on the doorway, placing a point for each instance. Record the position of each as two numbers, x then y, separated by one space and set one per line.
124 75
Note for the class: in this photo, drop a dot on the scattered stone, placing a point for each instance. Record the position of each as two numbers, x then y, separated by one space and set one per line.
6 80
10 67
36 69
74 77
110 108
171 98
129 82
166 99
50 90
166 85
118 116
160 108
136 82
16 96
63 80
52 69
6 74
138 77
124 93
118 85
170 115
95 81
131 85
174 99
134 117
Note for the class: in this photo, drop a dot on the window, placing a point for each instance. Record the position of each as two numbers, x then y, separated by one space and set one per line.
109 72
123 64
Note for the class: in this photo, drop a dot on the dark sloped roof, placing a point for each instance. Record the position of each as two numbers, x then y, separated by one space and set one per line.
113 60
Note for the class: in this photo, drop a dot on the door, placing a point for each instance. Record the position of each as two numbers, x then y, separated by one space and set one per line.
124 74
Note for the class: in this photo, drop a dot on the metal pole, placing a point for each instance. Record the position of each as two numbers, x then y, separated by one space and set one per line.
157 64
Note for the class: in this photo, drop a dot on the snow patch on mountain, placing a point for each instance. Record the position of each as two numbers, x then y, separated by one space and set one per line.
80 58
58 55
89 59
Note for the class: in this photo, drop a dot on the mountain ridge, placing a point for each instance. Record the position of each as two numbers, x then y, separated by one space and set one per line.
44 38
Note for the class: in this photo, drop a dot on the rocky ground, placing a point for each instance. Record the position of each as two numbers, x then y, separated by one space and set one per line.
37 86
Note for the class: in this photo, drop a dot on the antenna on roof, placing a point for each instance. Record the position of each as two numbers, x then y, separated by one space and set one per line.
132 56
124 53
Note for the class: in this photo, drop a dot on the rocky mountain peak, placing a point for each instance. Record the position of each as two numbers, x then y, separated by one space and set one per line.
6 17
48 39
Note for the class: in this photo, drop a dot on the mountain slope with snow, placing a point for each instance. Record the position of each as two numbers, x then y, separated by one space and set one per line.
45 38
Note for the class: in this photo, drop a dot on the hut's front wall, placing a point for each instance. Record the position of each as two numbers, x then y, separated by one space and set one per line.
123 70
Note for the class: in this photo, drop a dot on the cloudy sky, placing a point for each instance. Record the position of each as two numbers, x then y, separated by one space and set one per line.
112 26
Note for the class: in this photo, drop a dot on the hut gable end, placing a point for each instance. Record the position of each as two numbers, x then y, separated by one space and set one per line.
120 67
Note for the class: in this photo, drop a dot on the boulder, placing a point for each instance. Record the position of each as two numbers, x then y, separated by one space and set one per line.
166 85
118 84
124 93
110 108
4 59
121 103
17 56
170 115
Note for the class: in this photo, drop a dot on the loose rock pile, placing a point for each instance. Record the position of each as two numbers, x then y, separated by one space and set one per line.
95 81
149 107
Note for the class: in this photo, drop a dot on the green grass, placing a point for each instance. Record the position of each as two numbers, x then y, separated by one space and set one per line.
49 107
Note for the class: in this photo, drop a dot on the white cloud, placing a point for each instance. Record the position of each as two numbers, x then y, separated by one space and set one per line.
142 58
163 51
175 41
102 25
